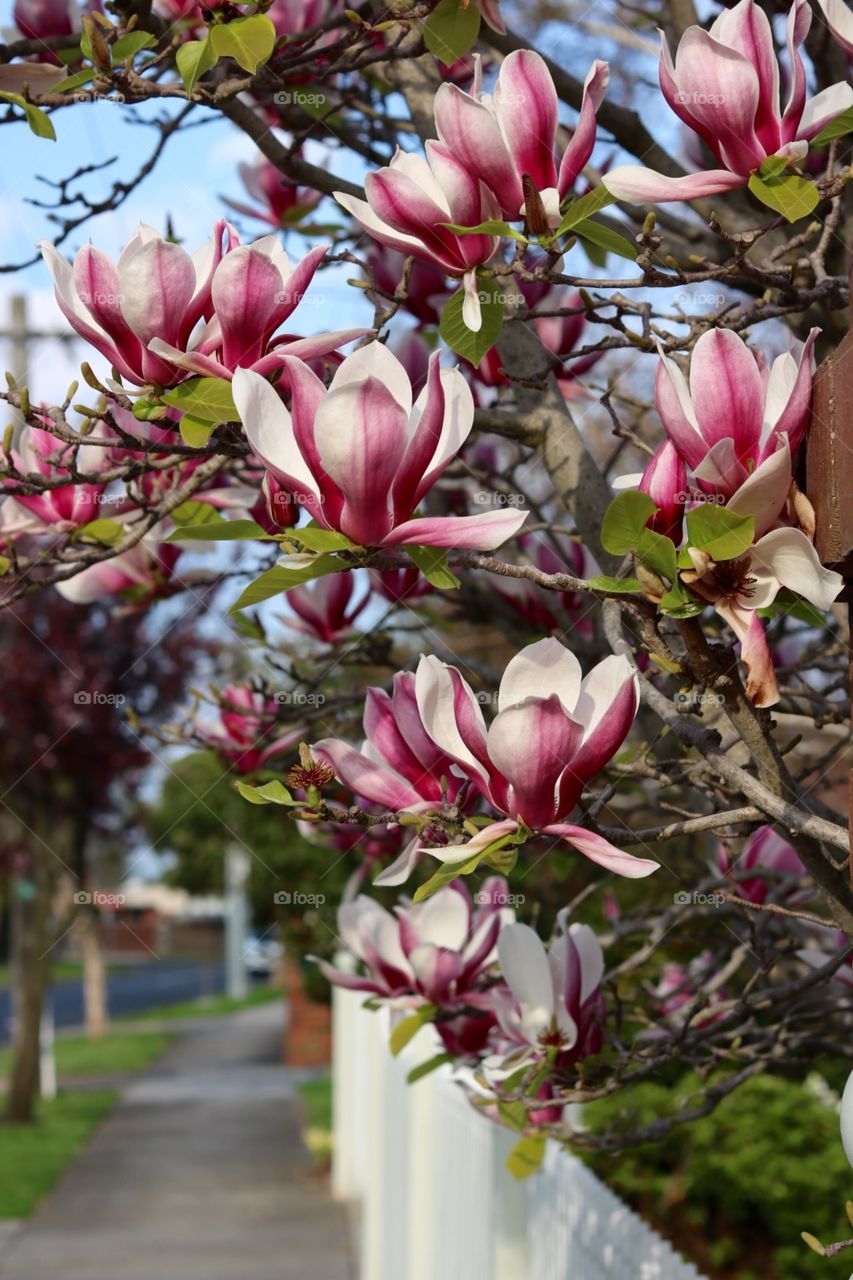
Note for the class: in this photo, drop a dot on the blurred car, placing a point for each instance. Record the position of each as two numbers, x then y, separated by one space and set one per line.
262 956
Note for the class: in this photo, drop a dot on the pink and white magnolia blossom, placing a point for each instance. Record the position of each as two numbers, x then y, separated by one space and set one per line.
42 19
64 507
554 731
665 481
137 576
360 456
781 557
426 291
550 610
409 201
552 1004
279 199
400 585
327 608
441 951
765 850
142 312
247 732
729 416
513 134
398 766
724 85
839 18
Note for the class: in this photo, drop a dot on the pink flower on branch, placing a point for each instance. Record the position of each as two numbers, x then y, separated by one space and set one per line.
410 200
512 136
360 456
724 85
554 731
279 200
327 608
248 733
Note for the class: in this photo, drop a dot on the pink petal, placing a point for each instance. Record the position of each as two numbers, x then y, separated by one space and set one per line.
532 743
579 150
485 532
363 777
603 853
727 391
638 185
526 108
470 129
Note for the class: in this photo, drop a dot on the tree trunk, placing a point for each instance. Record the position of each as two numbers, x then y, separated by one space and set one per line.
94 973
30 978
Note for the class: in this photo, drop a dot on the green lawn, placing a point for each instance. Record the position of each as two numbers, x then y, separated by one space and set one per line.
317 1100
117 1051
33 1156
206 1006
63 971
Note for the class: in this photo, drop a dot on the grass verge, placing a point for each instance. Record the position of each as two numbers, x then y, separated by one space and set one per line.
317 1101
32 1157
116 1052
205 1006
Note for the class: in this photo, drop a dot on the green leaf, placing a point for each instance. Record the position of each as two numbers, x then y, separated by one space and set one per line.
196 432
431 1064
316 538
605 238
270 793
787 193
624 586
679 604
447 871
74 82
492 227
451 30
836 128
585 207
625 522
194 512
282 578
209 399
526 1156
658 552
40 124
249 41
107 532
432 562
194 59
145 410
127 46
723 534
514 1115
226 531
455 332
409 1028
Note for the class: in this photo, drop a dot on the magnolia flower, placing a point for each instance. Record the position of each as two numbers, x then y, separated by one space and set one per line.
290 17
279 199
398 766
556 554
665 481
780 557
36 77
426 284
62 508
512 136
326 609
399 585
730 416
440 951
410 200
141 312
138 575
41 19
839 19
678 988
552 1003
246 732
367 479
765 850
554 731
724 84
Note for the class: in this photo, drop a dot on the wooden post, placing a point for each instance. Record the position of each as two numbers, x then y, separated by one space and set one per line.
829 478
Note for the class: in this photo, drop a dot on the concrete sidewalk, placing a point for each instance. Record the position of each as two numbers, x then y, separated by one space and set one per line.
198 1174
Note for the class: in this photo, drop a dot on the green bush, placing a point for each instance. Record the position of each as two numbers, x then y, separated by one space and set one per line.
734 1189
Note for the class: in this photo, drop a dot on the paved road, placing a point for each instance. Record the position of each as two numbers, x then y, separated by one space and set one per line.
133 991
199 1174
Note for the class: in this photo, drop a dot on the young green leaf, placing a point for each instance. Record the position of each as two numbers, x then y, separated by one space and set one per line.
451 30
605 238
269 793
526 1156
249 41
74 81
194 59
193 512
836 128
723 534
108 532
226 531
40 124
492 227
432 562
195 432
409 1027
464 341
625 522
657 552
624 586
786 193
130 44
585 207
316 538
209 399
289 573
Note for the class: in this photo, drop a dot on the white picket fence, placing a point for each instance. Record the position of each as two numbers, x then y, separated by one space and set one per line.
426 1175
